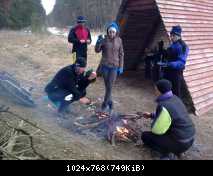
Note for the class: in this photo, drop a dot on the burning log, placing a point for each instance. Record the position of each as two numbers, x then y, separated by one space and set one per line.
124 134
122 129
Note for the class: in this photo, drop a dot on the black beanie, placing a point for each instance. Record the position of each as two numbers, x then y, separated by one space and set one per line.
80 62
164 86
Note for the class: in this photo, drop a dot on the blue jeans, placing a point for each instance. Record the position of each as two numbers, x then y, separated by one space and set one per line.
109 75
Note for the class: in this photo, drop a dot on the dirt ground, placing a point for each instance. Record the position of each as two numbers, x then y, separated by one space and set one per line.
33 60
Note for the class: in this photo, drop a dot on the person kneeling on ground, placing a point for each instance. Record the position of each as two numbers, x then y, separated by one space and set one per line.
69 85
172 131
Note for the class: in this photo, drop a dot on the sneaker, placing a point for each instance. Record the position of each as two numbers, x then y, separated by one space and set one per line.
50 103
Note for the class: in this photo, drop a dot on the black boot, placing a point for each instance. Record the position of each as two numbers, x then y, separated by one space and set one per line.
111 107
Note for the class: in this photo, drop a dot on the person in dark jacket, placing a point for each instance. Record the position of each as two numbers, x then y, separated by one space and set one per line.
177 54
69 84
172 130
80 37
111 64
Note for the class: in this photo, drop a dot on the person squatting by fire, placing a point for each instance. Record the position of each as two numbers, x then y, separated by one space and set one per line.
172 130
69 85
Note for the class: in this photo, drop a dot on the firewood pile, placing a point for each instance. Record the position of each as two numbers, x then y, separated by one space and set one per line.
16 142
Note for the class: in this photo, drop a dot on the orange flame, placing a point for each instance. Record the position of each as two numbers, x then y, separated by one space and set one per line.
122 130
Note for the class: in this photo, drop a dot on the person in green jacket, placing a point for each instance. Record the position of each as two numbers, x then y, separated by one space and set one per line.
172 130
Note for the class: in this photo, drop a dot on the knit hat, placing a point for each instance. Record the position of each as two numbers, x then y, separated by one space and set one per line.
81 19
164 86
113 25
112 29
176 30
80 62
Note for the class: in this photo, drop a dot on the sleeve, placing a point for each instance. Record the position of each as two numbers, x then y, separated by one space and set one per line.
121 55
72 37
162 121
89 37
181 59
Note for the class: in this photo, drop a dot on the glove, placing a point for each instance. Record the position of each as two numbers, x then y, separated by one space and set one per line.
100 39
120 71
88 73
163 64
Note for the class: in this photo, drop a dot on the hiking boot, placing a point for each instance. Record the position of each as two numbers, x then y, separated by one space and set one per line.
62 115
169 156
110 112
104 108
111 105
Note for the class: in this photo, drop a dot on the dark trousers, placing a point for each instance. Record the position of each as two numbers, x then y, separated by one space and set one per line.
157 73
110 76
80 54
58 95
176 78
164 143
148 67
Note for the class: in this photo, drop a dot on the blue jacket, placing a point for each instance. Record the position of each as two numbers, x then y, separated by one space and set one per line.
178 56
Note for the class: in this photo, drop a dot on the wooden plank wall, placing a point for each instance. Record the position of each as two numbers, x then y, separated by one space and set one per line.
196 19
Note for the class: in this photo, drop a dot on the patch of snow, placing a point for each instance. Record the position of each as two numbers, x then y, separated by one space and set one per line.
64 32
53 30
94 39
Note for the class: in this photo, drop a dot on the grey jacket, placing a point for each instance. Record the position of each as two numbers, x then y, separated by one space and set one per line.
112 52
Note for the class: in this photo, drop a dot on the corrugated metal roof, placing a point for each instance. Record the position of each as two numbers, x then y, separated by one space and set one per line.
196 19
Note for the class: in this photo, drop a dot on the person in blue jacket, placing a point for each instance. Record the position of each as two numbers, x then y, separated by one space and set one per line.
177 54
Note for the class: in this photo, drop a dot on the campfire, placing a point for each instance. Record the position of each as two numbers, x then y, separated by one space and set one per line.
116 127
124 128
122 132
